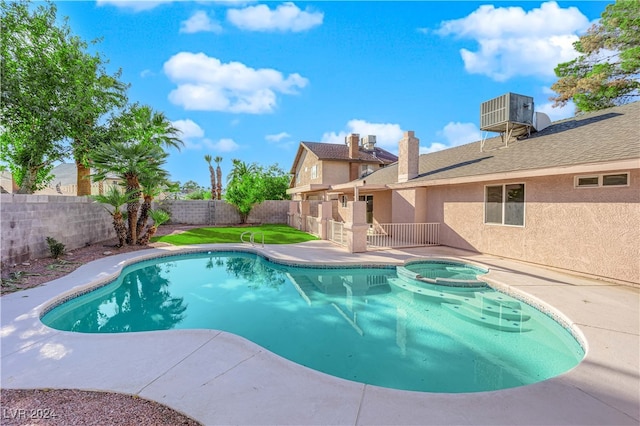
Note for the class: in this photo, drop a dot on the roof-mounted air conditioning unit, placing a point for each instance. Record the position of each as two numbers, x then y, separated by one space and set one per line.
506 111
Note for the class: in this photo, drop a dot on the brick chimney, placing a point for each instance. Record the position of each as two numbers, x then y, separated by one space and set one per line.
408 157
353 140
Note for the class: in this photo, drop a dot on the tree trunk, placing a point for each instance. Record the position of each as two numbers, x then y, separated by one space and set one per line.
212 174
83 179
121 229
219 188
28 182
133 188
144 240
144 214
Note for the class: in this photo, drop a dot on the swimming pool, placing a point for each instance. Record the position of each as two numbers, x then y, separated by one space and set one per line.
369 325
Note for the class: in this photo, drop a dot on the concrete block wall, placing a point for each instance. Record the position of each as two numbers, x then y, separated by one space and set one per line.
219 212
26 221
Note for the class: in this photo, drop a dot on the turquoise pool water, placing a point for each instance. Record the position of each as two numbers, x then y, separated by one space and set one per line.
363 324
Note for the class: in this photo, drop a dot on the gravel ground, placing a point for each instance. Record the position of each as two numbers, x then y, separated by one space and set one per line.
67 406
74 407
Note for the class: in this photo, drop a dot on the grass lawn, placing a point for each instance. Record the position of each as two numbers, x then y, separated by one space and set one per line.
273 234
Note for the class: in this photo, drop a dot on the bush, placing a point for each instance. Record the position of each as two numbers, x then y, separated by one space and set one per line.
55 247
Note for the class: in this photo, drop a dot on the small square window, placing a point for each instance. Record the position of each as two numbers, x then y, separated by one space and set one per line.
621 179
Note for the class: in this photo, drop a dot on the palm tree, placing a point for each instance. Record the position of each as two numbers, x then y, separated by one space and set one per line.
115 199
218 160
212 176
240 169
151 185
135 150
159 217
130 162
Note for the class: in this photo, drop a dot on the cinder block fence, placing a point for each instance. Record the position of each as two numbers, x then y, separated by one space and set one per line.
26 221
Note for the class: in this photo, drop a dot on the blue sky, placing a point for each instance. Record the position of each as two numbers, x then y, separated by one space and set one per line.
250 80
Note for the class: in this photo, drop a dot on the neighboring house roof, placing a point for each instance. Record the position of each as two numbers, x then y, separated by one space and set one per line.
598 137
67 174
340 152
334 151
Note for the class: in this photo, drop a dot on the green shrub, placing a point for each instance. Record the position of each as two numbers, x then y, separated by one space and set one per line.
55 247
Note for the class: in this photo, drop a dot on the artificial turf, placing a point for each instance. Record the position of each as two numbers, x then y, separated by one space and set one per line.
273 234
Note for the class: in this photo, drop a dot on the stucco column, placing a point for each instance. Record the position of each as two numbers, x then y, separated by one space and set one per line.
305 209
325 213
356 226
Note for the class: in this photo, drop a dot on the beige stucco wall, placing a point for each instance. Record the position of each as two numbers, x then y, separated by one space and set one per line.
587 230
409 205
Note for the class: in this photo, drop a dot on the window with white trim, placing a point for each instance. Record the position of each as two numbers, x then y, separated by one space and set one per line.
314 171
596 181
504 204
343 200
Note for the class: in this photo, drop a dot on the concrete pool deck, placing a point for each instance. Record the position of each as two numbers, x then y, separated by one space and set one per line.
218 378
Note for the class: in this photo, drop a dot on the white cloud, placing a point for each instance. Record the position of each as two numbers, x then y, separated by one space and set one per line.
200 22
514 42
207 84
285 17
277 137
188 129
223 145
193 137
387 134
132 5
146 73
454 134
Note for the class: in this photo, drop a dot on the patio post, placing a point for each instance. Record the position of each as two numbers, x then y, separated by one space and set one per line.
356 226
325 212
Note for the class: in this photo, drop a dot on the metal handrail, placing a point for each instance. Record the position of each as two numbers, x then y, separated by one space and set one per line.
251 237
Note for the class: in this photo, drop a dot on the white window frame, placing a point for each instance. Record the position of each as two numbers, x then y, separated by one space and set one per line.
504 205
343 200
600 180
314 171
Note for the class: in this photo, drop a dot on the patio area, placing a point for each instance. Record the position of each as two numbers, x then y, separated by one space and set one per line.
219 378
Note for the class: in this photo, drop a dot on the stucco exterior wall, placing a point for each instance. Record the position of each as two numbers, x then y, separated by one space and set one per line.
382 207
587 230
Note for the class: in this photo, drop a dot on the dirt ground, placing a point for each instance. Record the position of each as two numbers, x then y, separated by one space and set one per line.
38 271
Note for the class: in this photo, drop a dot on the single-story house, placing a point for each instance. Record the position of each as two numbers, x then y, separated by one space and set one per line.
565 195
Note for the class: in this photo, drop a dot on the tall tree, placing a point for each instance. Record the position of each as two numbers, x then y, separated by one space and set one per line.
607 71
52 90
218 160
212 176
95 94
35 56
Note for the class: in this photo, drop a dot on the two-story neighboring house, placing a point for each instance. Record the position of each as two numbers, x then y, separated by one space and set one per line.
318 166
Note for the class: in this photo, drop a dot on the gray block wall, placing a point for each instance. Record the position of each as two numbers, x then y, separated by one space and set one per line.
26 221
219 212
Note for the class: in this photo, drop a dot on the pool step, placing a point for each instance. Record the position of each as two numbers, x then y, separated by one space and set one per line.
496 323
481 306
433 295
